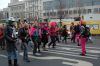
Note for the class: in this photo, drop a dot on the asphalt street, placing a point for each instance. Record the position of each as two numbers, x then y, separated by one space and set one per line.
63 55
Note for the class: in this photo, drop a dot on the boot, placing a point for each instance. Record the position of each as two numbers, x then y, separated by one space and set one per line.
15 62
9 63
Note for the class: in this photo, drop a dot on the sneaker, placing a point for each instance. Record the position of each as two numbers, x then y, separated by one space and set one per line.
39 51
27 60
82 54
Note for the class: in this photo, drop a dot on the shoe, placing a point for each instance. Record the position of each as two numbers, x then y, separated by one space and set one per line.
78 45
48 46
26 60
10 63
82 54
15 62
39 51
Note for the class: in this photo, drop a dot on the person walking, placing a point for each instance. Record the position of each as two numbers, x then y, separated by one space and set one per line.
77 33
10 41
2 43
64 33
52 34
44 34
72 32
23 33
83 38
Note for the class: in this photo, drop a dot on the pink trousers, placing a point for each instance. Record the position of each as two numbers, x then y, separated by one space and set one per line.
83 45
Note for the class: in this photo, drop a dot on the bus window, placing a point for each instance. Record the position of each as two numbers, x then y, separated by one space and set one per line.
95 26
88 25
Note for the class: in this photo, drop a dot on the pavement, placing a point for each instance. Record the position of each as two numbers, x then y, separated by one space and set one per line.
63 55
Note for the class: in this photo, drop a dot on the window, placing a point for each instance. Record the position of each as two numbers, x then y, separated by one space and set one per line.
97 3
95 26
70 12
66 12
89 10
84 11
96 10
75 12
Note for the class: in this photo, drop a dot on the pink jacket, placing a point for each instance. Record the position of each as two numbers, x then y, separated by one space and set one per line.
32 30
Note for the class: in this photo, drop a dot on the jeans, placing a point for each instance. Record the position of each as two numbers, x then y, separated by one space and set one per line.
25 54
11 54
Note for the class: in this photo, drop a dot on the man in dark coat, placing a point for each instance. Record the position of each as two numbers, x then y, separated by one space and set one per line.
11 47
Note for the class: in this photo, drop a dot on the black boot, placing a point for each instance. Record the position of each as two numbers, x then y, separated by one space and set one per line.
15 62
9 63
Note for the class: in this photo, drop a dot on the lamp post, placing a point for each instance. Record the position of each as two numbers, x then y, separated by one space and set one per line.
60 6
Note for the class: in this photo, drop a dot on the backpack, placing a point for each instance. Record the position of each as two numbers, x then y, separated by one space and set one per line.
86 32
77 29
35 35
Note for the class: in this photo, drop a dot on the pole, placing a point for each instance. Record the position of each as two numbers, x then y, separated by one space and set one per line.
60 13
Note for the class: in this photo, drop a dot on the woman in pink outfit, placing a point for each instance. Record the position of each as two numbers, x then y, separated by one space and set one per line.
83 37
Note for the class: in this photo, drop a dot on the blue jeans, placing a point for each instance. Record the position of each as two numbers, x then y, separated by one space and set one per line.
11 54
25 54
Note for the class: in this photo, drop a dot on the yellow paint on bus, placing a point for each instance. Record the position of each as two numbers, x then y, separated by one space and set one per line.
93 24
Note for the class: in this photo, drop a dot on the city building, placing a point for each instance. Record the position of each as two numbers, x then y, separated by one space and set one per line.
1 14
34 8
70 8
4 14
26 9
16 9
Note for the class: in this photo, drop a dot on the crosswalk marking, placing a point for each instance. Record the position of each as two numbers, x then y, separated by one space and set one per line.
68 52
78 62
71 55
78 49
63 53
63 45
3 56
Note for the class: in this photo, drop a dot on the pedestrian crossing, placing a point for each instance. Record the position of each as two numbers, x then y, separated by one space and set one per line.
66 53
76 50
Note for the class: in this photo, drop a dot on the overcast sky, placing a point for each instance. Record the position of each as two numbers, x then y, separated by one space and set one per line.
4 3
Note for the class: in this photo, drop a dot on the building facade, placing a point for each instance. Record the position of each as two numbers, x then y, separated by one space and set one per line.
4 14
16 9
70 8
26 9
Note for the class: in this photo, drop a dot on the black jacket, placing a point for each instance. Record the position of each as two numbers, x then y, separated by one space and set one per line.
10 39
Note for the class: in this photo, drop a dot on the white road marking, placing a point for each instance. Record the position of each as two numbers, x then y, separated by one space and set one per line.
71 55
78 49
68 52
77 46
3 56
79 62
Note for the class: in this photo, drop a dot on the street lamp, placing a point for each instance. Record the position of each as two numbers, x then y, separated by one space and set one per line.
60 5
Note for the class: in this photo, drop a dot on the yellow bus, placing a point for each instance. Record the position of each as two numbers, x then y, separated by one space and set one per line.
94 25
